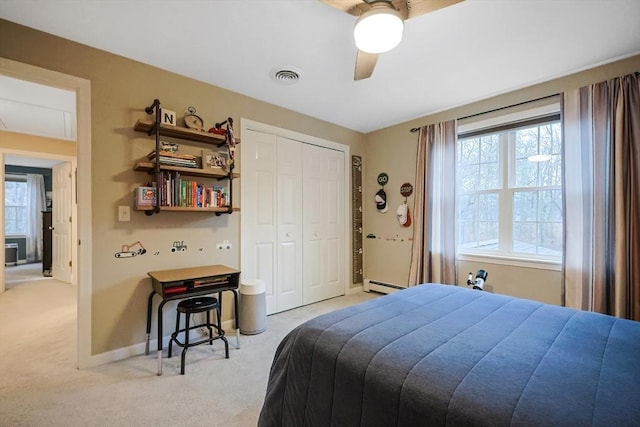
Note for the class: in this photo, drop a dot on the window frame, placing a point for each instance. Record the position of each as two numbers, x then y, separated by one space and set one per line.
9 177
549 112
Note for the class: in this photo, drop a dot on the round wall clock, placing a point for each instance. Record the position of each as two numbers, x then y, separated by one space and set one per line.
192 120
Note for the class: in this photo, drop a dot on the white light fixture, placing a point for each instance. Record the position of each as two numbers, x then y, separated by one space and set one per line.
379 29
539 158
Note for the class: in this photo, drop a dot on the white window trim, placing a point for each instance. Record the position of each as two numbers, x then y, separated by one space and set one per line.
551 106
530 261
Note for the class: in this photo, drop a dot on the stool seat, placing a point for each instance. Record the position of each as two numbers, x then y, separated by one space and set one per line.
192 306
197 305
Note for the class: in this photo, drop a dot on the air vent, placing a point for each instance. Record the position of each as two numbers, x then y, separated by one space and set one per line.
285 76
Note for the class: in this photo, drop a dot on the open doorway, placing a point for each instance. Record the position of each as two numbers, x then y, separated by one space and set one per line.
37 236
78 162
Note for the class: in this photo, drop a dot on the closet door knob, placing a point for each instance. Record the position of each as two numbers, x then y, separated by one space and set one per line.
288 234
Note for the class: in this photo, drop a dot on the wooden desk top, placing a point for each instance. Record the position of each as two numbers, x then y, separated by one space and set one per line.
190 273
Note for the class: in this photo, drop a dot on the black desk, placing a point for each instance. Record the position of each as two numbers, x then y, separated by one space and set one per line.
183 283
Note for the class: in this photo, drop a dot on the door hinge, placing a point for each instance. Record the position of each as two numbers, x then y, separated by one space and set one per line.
70 219
69 263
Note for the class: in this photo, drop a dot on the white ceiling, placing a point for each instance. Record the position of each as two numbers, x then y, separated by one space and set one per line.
464 53
36 109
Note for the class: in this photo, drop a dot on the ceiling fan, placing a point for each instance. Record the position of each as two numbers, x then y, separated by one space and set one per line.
380 24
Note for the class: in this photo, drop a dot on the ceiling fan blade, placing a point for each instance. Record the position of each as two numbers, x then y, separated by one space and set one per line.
365 63
353 7
421 7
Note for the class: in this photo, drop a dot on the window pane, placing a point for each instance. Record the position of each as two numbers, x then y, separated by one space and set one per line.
550 239
15 202
478 221
525 237
526 173
468 178
478 163
533 193
537 222
525 205
467 207
550 205
542 140
489 148
469 151
526 142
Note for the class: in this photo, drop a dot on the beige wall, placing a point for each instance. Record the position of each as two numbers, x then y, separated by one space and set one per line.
393 150
36 144
120 89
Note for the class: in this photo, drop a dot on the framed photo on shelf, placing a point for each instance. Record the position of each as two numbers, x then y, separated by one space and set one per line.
214 160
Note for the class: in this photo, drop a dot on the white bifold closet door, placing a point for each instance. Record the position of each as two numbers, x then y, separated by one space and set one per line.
323 223
292 208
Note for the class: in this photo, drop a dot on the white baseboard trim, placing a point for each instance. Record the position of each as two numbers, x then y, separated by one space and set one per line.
138 349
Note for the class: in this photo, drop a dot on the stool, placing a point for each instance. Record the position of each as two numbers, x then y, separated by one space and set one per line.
191 306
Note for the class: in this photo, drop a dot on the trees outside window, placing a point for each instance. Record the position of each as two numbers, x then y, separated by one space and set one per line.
509 190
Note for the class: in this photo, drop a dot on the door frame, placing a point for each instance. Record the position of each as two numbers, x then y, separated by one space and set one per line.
81 259
247 124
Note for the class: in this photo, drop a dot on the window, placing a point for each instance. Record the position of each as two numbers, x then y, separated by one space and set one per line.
509 189
15 205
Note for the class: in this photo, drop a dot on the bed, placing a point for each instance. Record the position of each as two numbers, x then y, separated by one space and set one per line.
446 355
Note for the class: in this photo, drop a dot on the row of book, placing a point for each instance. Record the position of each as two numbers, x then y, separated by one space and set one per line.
174 159
176 191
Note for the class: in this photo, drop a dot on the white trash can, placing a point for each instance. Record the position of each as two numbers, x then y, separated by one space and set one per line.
253 307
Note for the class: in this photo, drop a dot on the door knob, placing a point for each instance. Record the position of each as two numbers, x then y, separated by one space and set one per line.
50 228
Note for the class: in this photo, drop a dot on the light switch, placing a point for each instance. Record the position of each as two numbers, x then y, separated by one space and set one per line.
124 213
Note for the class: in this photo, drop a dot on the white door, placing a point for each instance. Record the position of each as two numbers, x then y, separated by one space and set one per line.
258 204
323 202
61 223
289 218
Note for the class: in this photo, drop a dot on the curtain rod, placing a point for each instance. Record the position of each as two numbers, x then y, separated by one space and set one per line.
414 130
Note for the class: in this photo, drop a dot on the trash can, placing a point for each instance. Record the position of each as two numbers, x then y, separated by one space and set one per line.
10 254
253 307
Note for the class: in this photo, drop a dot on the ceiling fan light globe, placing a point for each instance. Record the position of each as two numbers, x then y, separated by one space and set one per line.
378 30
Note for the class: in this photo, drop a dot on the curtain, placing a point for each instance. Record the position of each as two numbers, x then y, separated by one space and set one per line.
36 203
433 250
602 197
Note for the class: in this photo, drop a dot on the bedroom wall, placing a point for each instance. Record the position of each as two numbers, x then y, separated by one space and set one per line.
120 89
393 150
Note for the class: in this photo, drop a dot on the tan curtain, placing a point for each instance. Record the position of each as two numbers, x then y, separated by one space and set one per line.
433 250
602 197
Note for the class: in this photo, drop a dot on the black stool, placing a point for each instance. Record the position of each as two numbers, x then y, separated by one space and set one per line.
192 306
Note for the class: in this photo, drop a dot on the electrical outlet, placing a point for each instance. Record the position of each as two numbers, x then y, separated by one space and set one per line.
220 246
227 245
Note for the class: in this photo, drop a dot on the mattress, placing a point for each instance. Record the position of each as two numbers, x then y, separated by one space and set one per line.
446 355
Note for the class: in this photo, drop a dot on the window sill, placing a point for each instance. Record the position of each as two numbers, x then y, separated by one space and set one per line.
503 259
15 236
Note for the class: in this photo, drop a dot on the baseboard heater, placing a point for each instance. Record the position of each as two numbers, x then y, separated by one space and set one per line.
382 287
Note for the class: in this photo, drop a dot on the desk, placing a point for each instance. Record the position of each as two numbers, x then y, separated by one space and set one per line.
183 283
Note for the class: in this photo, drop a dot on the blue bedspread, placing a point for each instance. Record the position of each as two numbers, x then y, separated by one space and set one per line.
445 355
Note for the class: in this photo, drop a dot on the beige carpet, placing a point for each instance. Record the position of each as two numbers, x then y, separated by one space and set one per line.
39 385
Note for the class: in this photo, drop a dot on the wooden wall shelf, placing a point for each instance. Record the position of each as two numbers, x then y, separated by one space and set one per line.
147 126
197 172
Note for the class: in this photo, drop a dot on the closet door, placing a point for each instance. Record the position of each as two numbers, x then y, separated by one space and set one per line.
258 205
289 219
323 202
